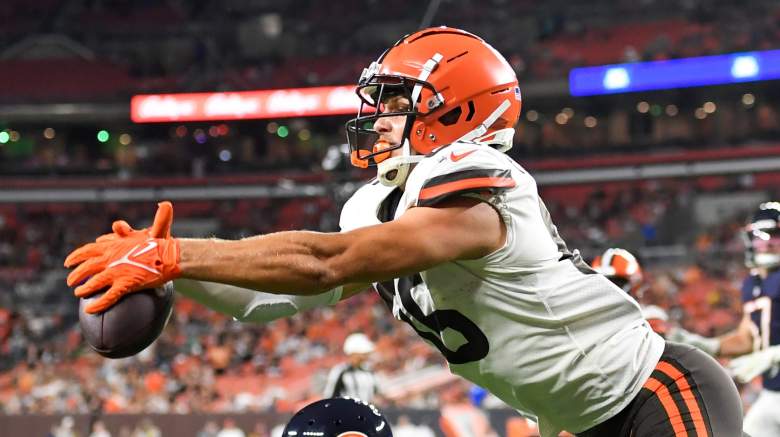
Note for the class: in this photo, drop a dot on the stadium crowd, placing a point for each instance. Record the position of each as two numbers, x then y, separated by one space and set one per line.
205 362
162 46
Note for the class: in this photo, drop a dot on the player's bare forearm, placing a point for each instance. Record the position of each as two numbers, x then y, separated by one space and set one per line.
301 262
732 345
737 342
295 262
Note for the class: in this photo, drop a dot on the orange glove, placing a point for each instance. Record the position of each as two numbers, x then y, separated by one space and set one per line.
126 260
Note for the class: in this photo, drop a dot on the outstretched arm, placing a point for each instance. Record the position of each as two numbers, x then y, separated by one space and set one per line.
299 262
710 345
750 362
749 366
739 341
734 343
295 263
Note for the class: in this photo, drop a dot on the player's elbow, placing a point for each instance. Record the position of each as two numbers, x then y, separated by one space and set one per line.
340 270
329 280
321 276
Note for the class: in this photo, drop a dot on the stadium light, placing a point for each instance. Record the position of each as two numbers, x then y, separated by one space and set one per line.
245 105
675 73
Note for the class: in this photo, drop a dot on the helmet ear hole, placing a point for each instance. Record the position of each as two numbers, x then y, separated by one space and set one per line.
451 117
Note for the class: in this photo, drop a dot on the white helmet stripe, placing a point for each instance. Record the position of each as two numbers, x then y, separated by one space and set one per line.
606 259
606 263
426 71
401 164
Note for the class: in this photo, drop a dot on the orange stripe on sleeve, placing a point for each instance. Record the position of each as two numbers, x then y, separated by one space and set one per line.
687 395
667 401
465 184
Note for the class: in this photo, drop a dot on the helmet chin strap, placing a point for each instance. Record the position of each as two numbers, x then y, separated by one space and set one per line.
502 138
393 171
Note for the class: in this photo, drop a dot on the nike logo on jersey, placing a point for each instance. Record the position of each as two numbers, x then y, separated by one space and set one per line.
456 158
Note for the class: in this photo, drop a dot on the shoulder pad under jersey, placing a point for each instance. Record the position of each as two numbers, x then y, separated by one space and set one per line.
361 209
461 168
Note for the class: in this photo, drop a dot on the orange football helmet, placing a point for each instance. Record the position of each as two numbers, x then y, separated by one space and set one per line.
620 267
658 319
459 89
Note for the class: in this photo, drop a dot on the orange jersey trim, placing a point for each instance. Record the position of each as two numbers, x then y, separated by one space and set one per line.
672 412
687 395
465 184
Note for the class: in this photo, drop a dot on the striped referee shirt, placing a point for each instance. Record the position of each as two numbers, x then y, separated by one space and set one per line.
346 380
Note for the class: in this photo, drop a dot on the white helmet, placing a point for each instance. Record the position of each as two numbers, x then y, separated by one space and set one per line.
358 344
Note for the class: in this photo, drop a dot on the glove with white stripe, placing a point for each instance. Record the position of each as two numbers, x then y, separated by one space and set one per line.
749 366
126 261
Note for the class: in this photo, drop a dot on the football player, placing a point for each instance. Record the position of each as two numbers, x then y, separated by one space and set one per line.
338 417
756 341
758 335
622 268
454 237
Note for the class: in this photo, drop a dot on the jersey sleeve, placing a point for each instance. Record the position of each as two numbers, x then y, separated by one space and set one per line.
465 169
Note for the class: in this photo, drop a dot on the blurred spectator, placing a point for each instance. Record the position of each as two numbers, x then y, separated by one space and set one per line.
147 429
461 418
66 428
405 428
260 430
277 430
229 429
210 429
99 429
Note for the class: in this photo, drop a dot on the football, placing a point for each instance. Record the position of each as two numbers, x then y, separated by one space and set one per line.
129 326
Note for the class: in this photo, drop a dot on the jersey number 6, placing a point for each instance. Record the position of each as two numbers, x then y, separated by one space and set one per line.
476 346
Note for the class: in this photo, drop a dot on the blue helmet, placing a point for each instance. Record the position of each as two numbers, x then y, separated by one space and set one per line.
762 237
338 417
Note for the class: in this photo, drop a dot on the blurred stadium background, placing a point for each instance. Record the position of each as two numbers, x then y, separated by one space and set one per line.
669 174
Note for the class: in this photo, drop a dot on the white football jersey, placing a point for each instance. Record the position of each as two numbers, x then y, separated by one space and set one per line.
531 322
